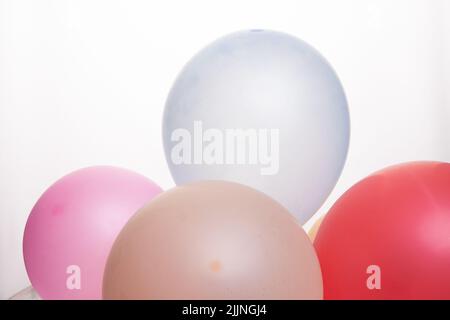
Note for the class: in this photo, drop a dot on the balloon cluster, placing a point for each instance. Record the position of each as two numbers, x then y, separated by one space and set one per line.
255 132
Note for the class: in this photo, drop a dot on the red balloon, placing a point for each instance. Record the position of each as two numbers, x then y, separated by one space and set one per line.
388 237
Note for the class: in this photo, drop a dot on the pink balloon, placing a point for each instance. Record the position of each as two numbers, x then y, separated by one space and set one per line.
72 227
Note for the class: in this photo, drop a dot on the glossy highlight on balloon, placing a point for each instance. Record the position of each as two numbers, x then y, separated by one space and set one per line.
73 225
212 240
388 237
264 109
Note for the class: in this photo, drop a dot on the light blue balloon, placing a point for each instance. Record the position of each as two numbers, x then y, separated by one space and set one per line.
264 109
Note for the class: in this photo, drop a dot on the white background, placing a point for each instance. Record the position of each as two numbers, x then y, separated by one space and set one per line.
84 83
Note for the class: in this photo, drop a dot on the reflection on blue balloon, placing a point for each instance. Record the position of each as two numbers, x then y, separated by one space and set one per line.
264 109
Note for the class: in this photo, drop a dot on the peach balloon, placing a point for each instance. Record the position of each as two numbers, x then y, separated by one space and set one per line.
212 240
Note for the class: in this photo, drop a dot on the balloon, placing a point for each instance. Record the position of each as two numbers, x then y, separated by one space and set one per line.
388 237
312 233
212 240
72 227
26 294
264 109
